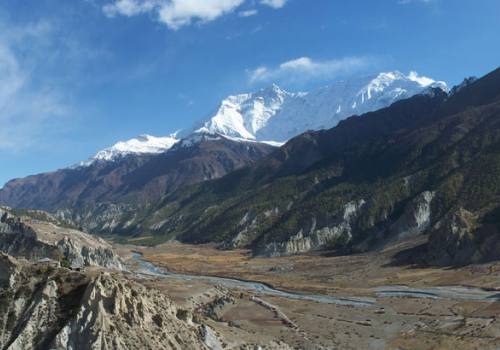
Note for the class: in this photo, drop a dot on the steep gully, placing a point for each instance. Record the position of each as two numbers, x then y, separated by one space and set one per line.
441 292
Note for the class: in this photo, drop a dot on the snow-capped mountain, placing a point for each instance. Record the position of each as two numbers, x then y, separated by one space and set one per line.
243 116
143 144
273 114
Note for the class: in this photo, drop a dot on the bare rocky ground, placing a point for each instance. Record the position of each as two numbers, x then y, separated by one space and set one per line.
446 309
46 307
47 302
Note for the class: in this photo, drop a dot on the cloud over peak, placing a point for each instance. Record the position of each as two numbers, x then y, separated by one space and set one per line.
304 69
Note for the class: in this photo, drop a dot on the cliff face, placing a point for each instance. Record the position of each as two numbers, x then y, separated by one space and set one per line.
50 308
119 314
452 239
334 235
34 239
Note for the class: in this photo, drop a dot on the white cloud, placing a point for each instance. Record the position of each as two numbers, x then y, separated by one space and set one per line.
305 68
11 78
29 111
178 13
274 3
129 7
422 80
174 13
248 13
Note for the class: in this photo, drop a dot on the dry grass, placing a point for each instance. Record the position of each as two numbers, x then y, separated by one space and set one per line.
353 274
396 323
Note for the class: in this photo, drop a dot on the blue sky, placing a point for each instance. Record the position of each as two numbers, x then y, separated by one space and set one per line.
77 76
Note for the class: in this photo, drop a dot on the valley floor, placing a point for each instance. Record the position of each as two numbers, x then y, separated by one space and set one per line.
412 308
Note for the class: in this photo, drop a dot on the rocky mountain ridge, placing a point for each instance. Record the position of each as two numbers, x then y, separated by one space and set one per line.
141 145
37 240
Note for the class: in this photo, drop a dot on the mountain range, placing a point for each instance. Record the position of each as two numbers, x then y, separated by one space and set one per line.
276 115
128 177
427 165
273 115
423 163
146 168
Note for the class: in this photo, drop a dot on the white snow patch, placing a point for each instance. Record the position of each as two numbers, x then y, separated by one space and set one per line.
144 144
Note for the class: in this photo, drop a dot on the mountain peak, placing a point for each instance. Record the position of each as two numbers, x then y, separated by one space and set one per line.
387 78
397 85
392 75
466 82
273 114
274 88
142 144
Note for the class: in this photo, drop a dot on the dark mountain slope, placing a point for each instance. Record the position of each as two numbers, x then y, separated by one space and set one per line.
132 179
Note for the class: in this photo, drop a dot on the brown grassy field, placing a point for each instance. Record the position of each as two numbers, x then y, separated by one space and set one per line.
316 272
393 323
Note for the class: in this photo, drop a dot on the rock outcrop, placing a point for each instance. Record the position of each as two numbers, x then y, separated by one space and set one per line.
462 237
44 308
35 239
119 314
416 217
84 255
452 239
331 236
